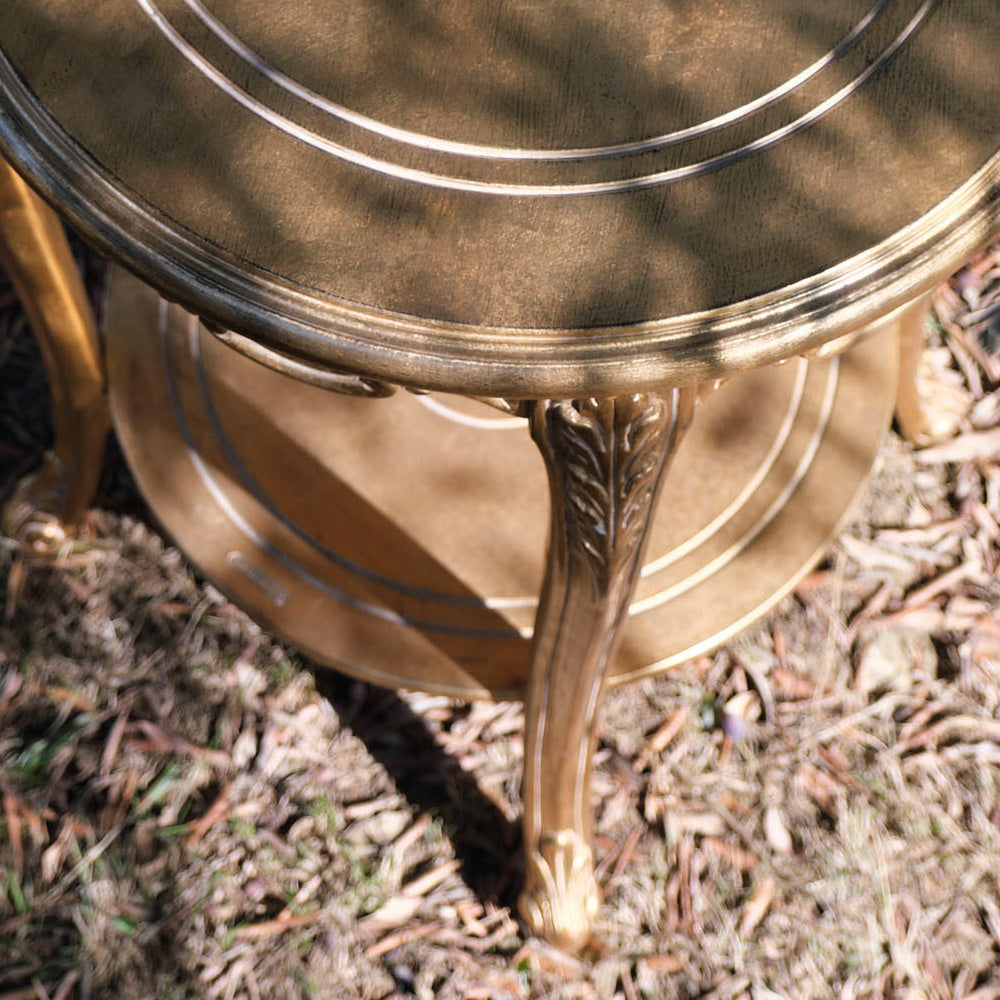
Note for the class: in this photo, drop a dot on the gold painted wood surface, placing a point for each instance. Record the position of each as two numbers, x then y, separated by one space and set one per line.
605 460
524 200
34 253
401 539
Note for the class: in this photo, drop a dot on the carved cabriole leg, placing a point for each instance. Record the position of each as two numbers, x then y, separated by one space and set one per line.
37 259
605 459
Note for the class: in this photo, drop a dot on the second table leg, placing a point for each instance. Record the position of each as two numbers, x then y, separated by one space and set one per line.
605 460
47 505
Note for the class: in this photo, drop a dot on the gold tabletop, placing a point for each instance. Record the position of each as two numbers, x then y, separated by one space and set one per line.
518 199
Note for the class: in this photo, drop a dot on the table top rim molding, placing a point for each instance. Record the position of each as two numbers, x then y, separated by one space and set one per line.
510 362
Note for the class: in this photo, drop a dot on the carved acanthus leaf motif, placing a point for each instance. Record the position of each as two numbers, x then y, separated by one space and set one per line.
642 455
610 453
585 448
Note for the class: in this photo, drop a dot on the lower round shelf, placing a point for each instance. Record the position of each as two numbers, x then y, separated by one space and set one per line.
402 540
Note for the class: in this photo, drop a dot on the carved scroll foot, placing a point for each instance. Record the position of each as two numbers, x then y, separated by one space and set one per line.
32 514
605 459
561 897
36 257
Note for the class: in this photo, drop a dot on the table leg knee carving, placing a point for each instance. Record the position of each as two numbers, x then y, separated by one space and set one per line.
38 261
605 459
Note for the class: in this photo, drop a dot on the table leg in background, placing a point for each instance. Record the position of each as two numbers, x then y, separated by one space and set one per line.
917 417
33 251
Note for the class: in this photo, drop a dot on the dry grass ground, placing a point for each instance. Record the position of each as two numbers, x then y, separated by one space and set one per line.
813 812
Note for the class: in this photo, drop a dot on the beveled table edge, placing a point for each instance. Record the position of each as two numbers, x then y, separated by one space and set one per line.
488 361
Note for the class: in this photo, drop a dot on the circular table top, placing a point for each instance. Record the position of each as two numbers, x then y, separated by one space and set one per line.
510 198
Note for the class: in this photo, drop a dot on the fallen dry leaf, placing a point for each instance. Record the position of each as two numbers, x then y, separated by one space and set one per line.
737 857
965 448
391 914
659 741
661 963
823 789
678 822
282 923
398 939
777 832
423 884
757 906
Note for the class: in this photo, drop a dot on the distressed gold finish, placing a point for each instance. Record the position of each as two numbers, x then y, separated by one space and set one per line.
34 253
605 460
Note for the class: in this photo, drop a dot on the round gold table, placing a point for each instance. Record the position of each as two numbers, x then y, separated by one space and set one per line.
566 220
